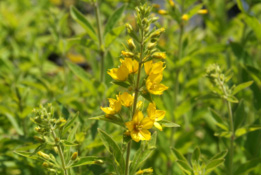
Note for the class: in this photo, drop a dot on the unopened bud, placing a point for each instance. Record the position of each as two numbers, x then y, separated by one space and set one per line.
127 54
159 55
172 4
157 33
185 17
74 156
151 45
98 161
42 154
129 28
162 12
61 122
131 44
145 171
39 139
203 11
45 164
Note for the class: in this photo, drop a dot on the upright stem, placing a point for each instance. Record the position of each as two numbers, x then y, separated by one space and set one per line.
60 152
101 47
231 152
135 99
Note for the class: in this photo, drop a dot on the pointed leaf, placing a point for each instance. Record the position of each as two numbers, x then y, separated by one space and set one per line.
213 164
196 155
242 86
88 160
184 166
168 124
112 119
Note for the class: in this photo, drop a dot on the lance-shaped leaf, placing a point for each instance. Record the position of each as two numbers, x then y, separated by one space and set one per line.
122 84
219 155
112 35
113 19
168 124
213 164
242 86
114 149
26 154
112 119
79 18
196 155
88 160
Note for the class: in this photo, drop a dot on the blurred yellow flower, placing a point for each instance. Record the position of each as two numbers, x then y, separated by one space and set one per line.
144 171
155 115
172 4
131 64
153 84
185 17
126 99
139 126
159 55
162 12
139 105
115 107
120 74
154 68
203 11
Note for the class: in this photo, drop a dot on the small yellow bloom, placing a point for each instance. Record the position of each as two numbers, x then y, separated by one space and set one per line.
115 107
127 54
203 11
131 44
155 115
162 12
154 68
126 99
144 171
139 126
159 55
131 64
153 84
185 17
172 4
120 74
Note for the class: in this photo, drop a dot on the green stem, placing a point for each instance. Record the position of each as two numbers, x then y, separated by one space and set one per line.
231 151
101 52
60 152
137 88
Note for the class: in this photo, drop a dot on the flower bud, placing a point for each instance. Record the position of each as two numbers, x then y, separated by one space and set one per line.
45 164
42 154
131 44
98 161
74 156
203 11
159 55
39 139
157 33
129 28
172 4
127 54
151 45
162 12
61 122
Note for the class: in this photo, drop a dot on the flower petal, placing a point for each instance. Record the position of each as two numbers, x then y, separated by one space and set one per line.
158 126
147 123
146 134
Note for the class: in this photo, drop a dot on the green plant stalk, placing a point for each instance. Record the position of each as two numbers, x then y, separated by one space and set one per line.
101 52
60 152
135 100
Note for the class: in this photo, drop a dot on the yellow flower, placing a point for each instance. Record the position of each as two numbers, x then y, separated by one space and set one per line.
172 4
153 84
126 99
185 17
120 74
144 171
115 107
139 126
159 55
154 68
162 12
127 54
139 105
203 11
131 64
155 115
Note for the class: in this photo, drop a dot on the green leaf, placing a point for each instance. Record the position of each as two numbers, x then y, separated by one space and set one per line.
112 35
240 5
113 19
112 119
122 84
168 124
231 99
220 155
241 87
194 10
14 123
88 160
114 149
68 143
26 154
69 123
147 96
239 115
248 166
243 131
196 155
178 155
79 17
216 116
254 23
144 152
213 164
184 166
